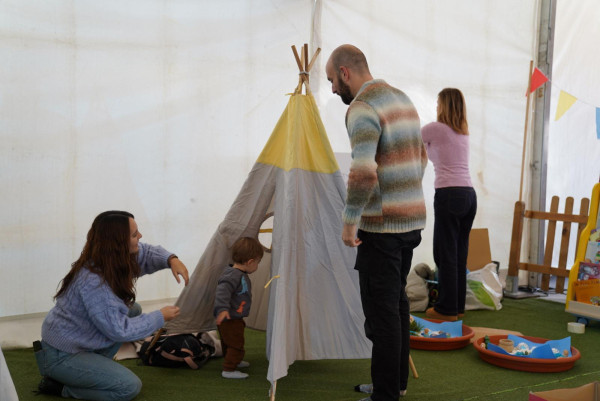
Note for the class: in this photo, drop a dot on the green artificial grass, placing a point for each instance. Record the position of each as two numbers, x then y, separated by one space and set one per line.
443 375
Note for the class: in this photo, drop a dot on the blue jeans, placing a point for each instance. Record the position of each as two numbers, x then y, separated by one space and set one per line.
90 375
455 209
383 262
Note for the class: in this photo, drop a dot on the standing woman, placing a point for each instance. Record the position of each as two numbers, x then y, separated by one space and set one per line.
95 312
455 202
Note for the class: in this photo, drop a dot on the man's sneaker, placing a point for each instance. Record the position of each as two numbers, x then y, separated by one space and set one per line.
243 364
50 386
364 388
236 374
368 389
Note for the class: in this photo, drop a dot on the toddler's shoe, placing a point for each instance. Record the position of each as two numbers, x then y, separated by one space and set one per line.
432 313
236 374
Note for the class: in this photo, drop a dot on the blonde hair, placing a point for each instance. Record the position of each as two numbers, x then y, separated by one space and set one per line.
452 110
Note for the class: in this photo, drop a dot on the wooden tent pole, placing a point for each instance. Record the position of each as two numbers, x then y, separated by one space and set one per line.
299 62
314 58
155 339
297 57
273 389
525 132
305 54
412 367
305 74
304 65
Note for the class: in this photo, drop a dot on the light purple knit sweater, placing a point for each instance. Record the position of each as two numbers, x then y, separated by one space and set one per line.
89 316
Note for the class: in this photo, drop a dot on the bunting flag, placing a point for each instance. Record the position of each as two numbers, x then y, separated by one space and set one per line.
565 101
598 122
537 79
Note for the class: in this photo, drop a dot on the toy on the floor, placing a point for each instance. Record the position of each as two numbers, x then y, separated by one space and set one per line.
428 329
551 349
436 335
542 355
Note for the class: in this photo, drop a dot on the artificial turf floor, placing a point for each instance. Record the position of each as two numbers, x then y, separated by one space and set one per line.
443 375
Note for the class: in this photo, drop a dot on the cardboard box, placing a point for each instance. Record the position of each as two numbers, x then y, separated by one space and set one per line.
479 249
587 392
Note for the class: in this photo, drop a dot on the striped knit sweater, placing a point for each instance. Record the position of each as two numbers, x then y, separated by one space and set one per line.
385 194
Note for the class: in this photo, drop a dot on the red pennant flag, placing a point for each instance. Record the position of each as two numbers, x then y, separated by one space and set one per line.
537 79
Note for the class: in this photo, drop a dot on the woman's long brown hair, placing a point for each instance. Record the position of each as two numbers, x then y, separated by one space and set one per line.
106 253
452 110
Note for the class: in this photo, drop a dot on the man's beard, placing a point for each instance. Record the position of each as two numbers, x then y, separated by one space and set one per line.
344 92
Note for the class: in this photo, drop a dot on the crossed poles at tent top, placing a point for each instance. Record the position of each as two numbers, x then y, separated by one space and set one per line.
304 66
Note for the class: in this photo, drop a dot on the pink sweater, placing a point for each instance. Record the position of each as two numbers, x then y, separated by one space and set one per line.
449 152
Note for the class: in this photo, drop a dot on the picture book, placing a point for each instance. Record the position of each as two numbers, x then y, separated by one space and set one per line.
588 271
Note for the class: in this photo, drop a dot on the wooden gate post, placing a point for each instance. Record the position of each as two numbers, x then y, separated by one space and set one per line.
512 279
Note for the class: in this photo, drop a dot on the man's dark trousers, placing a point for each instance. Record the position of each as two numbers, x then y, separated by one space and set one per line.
383 262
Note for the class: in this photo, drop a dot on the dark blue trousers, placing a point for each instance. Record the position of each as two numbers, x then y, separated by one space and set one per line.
455 209
383 262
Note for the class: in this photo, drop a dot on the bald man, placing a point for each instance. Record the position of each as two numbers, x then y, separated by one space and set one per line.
384 212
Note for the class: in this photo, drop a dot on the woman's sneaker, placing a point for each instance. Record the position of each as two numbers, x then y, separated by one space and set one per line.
50 386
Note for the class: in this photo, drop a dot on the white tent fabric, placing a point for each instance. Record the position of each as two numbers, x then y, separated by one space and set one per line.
150 106
317 293
7 387
145 105
314 308
573 144
481 47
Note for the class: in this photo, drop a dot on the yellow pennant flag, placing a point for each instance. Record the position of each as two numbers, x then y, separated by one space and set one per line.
565 101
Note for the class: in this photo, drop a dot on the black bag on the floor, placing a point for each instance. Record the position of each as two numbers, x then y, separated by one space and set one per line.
175 351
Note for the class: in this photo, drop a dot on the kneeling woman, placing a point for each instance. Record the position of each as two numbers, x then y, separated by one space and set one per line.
95 313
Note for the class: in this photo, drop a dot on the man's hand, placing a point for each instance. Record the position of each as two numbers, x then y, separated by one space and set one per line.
179 269
349 236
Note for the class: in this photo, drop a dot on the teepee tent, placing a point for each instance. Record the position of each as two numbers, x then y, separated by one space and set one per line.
312 309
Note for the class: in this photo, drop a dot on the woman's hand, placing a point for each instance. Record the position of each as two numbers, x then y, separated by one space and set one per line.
179 269
170 312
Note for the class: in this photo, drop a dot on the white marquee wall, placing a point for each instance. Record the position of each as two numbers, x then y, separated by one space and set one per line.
155 107
162 107
484 49
573 146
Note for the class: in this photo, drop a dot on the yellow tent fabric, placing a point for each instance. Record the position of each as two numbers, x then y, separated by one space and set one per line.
299 139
